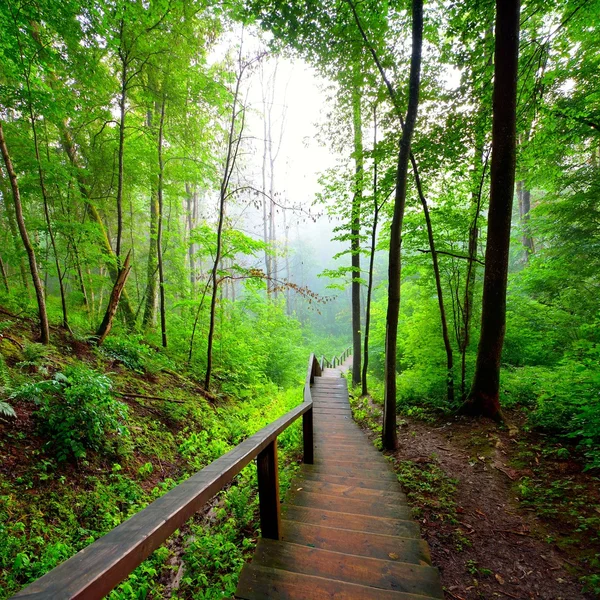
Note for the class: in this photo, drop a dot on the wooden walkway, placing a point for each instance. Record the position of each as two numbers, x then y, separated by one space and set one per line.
347 532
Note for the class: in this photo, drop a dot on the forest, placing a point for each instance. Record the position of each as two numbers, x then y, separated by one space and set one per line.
194 196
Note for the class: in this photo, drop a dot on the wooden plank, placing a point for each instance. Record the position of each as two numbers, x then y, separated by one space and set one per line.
264 583
347 505
349 521
347 491
308 437
351 472
359 543
374 484
268 492
382 574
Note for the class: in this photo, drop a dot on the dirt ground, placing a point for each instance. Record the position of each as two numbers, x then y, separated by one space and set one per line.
504 554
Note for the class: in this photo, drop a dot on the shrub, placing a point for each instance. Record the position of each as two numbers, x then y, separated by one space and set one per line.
76 411
130 351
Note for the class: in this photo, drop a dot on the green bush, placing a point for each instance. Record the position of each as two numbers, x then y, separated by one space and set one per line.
129 351
76 411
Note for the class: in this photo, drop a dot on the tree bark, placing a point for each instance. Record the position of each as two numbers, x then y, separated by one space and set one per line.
365 388
389 437
161 273
113 302
149 318
524 198
484 395
4 276
355 232
35 276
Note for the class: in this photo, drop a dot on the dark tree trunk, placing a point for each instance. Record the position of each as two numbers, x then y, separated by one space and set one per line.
113 302
365 388
355 232
484 396
389 437
35 276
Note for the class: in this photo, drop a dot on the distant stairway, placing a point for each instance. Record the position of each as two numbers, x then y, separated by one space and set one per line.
346 530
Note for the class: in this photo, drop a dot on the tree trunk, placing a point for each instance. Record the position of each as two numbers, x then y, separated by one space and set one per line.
12 225
365 389
438 285
524 197
233 144
121 155
44 191
37 282
161 273
149 318
4 276
484 396
111 262
113 302
355 232
389 437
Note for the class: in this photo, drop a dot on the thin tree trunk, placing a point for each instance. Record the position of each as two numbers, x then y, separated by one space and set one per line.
111 262
389 437
149 318
4 276
120 166
438 285
37 282
365 389
232 151
12 225
484 396
44 191
113 302
161 273
524 197
355 232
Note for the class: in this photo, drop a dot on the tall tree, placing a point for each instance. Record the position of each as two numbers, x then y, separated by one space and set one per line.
389 436
355 229
33 268
484 395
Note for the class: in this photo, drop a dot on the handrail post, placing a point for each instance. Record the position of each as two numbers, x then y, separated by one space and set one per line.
307 437
268 492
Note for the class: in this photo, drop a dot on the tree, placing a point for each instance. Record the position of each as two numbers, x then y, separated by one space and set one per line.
33 268
484 395
389 437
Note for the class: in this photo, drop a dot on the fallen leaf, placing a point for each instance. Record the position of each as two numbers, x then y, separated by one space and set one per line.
499 578
393 556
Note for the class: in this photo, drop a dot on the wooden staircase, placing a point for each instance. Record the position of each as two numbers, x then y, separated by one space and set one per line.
346 530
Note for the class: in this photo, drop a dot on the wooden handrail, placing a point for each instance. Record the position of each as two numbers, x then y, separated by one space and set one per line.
94 571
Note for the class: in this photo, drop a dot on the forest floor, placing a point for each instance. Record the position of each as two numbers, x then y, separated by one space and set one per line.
506 514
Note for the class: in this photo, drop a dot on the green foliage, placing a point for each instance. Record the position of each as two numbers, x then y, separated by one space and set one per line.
76 411
131 351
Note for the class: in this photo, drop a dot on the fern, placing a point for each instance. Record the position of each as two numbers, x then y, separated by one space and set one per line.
6 410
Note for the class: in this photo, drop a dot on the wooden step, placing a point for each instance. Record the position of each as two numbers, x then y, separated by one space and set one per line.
351 472
265 583
359 543
382 574
348 491
347 505
316 516
350 460
375 484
